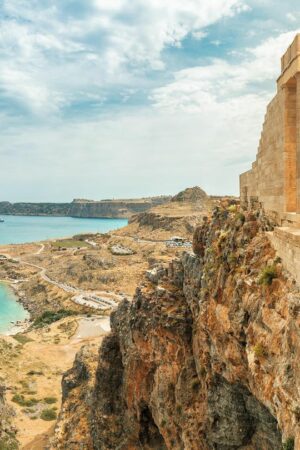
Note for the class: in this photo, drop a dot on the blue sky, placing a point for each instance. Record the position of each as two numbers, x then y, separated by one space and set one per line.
128 98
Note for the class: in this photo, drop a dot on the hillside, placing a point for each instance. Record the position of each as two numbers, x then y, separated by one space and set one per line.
180 216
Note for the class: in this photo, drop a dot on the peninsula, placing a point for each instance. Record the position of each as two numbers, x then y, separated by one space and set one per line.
110 208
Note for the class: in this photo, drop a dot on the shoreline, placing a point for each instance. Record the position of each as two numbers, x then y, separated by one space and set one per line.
71 217
69 236
19 326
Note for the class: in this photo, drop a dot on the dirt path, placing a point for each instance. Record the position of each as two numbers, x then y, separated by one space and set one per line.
100 300
41 249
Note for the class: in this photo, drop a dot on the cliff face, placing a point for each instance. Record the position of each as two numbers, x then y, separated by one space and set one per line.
84 208
114 208
207 358
35 209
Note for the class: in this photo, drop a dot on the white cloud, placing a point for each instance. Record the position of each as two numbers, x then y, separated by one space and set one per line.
202 127
131 154
220 82
53 53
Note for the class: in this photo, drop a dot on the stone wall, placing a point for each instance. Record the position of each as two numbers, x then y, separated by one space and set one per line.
274 180
286 242
265 181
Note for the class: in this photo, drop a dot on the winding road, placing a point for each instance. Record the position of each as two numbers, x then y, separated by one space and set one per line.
100 300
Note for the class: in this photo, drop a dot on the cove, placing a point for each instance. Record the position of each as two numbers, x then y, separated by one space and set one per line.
10 309
24 229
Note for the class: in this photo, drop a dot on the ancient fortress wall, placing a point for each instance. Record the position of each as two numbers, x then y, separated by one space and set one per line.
274 180
265 181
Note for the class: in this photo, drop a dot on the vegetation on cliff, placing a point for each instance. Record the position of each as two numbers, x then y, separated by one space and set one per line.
196 361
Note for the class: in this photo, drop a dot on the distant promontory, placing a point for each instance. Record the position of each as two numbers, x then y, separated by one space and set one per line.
110 208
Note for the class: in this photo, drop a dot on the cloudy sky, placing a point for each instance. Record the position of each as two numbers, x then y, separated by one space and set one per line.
128 98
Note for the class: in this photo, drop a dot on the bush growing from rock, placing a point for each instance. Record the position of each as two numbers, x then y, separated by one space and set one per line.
267 275
48 414
259 350
289 444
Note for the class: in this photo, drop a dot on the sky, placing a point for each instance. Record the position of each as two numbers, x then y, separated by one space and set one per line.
129 98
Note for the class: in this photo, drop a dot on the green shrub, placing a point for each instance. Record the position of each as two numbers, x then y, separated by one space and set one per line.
241 217
22 338
22 401
69 243
289 444
49 317
267 275
34 372
259 350
232 208
8 444
231 258
179 409
48 414
50 400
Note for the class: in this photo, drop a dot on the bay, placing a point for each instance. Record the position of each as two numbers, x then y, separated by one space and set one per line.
24 229
10 309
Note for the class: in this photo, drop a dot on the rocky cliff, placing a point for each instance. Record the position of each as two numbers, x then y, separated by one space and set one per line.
84 208
114 208
207 354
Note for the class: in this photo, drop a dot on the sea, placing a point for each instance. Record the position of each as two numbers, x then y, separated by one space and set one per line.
24 229
10 310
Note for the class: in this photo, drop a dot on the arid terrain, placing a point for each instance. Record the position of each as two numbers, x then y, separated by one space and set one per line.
81 279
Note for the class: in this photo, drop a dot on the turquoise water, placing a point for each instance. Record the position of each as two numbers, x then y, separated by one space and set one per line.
10 309
21 229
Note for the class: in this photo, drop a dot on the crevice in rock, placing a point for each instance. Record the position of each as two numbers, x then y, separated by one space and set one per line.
149 436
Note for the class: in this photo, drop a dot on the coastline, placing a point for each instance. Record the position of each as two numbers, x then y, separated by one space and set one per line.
25 229
19 326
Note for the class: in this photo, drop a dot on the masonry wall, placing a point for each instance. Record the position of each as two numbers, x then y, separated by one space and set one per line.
286 242
265 182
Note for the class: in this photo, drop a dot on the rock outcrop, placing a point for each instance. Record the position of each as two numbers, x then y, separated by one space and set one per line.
207 354
181 215
193 195
114 208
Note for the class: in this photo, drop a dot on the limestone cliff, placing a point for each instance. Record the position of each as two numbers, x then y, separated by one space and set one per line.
84 208
207 354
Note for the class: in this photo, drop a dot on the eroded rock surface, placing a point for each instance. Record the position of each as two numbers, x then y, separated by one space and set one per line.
207 355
